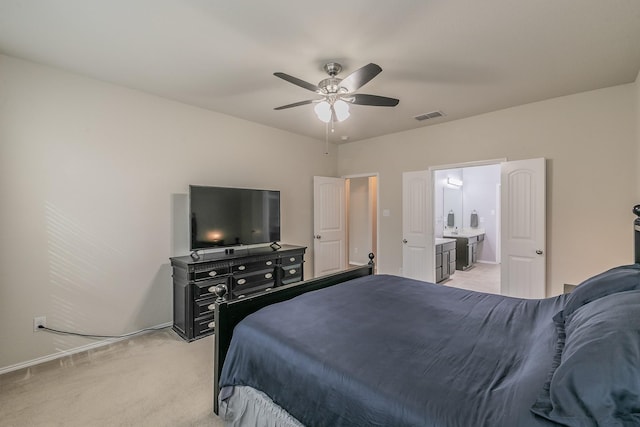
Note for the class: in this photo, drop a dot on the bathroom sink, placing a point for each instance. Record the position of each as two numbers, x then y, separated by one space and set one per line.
463 233
440 240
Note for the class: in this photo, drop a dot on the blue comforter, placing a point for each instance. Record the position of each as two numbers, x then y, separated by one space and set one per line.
389 351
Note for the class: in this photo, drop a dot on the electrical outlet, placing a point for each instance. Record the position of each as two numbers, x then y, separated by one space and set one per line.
39 321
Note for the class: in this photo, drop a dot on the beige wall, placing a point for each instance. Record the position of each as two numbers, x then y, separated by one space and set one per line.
637 111
590 143
90 174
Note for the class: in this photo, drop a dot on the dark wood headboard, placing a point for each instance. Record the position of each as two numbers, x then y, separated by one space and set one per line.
636 235
229 313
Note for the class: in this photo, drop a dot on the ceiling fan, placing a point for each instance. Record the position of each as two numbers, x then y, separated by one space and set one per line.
338 93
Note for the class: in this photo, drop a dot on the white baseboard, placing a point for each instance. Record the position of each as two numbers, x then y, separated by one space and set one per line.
75 350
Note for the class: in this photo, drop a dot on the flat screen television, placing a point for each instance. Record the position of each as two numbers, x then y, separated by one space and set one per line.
223 216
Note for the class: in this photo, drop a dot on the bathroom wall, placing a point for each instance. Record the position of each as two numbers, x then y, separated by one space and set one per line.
479 192
439 185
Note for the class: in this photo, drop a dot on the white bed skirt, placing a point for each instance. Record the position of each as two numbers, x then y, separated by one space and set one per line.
249 407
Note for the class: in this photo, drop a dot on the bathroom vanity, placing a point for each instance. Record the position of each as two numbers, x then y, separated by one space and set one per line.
466 247
445 258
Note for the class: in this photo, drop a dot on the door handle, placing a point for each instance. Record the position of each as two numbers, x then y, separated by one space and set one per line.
404 241
317 236
539 252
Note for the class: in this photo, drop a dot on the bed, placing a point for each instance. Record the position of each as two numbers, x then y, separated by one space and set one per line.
357 349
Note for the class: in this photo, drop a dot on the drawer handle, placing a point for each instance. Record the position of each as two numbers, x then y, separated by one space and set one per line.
242 281
213 273
269 262
242 267
211 325
292 259
292 271
211 306
212 289
268 276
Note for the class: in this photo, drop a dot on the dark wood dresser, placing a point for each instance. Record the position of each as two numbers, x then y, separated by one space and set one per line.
243 272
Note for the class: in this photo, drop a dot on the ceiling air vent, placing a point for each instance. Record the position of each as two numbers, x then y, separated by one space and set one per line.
431 115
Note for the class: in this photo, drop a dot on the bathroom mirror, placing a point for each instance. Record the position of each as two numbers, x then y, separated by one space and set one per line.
452 202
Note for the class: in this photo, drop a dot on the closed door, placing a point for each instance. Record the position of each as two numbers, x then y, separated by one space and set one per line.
329 220
417 226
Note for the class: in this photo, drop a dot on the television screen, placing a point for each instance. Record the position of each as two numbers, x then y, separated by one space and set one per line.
222 216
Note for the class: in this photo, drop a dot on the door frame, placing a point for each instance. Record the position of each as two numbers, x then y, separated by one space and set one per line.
432 170
366 175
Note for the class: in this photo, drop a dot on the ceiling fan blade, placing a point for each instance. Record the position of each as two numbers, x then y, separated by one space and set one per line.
295 104
296 81
375 100
360 77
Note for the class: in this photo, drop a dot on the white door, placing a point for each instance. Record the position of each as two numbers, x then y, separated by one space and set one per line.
417 226
523 229
329 225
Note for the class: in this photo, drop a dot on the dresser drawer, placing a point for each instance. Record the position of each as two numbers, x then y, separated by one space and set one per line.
208 270
203 307
205 289
251 287
253 266
248 280
293 259
291 273
205 325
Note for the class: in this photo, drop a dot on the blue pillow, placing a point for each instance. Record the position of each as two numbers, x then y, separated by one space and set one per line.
619 279
597 379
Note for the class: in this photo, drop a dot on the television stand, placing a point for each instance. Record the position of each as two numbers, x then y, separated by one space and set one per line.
196 281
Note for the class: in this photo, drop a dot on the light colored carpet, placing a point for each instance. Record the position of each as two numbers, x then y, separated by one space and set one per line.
155 379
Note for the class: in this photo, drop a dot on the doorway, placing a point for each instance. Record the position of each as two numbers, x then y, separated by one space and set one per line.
362 218
522 226
345 222
467 202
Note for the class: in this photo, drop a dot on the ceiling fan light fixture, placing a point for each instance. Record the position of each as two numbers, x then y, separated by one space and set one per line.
339 93
342 110
323 111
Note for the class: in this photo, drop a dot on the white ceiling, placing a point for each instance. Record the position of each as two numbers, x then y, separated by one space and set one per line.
464 57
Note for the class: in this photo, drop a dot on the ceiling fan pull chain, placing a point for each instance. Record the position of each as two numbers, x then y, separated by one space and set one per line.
326 138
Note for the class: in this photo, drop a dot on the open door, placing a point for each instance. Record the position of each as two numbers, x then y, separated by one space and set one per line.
523 229
417 226
329 225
